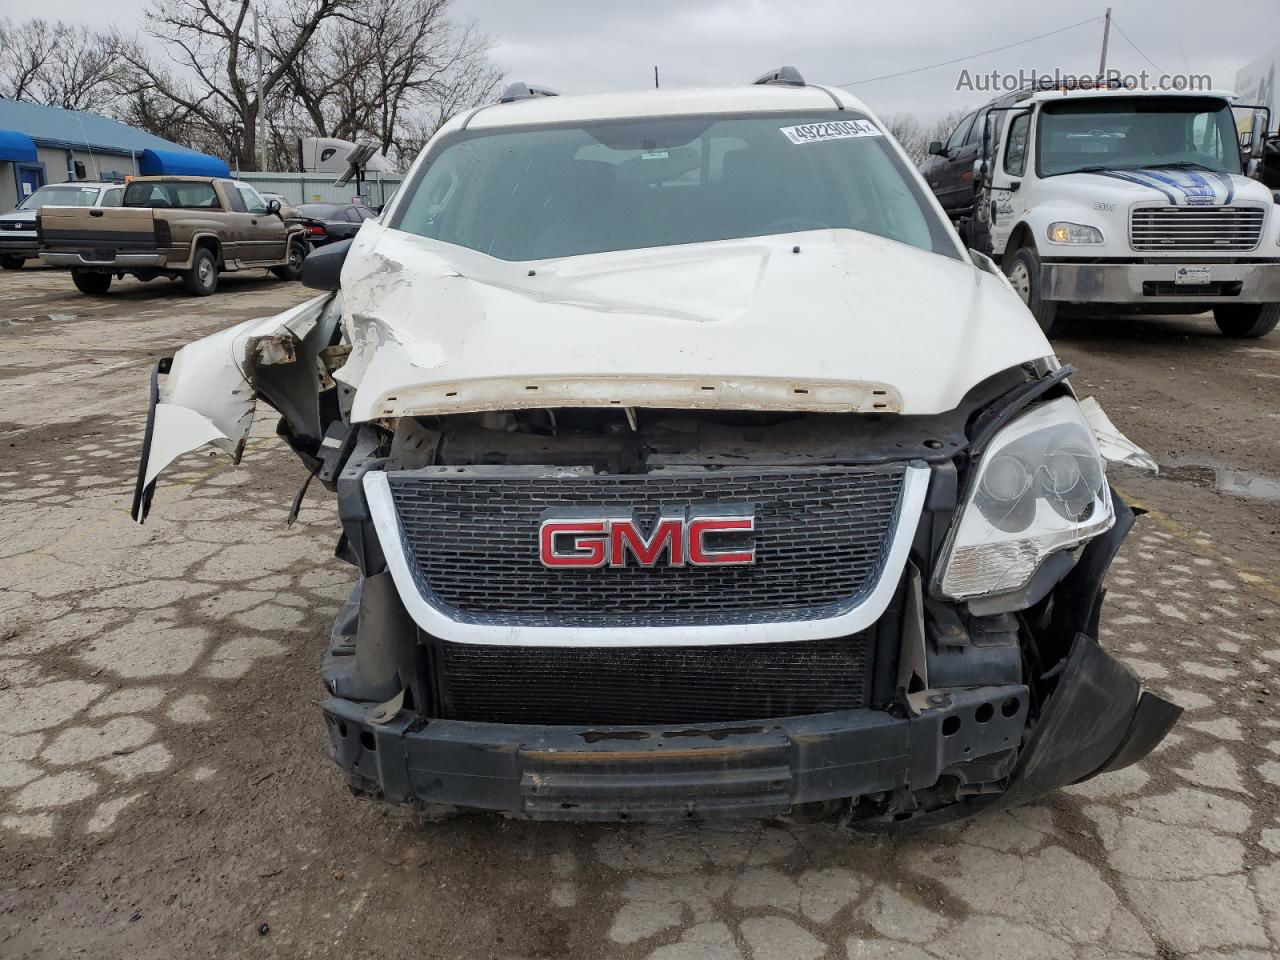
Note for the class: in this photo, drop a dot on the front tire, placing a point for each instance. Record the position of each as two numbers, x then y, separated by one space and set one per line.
12 263
94 284
293 269
202 279
1247 320
1023 271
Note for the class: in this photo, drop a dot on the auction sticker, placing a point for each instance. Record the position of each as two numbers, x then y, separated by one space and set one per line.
835 130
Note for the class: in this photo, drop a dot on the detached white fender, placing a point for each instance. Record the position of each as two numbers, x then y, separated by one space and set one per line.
211 389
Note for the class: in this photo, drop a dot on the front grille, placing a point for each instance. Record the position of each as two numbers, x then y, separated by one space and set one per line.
1196 228
653 685
821 536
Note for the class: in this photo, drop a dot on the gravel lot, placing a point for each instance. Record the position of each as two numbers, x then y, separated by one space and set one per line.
164 790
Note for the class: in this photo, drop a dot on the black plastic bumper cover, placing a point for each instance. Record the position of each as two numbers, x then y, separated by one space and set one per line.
662 773
1097 720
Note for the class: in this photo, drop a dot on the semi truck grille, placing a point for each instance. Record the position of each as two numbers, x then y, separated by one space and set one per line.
649 685
1195 228
821 537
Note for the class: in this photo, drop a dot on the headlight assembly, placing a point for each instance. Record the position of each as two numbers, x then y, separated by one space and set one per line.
1040 488
1065 232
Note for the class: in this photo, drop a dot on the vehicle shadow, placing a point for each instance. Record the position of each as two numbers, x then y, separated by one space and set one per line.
136 290
1137 328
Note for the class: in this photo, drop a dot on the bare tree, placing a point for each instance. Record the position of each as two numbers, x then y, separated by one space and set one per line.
216 83
58 64
391 69
915 136
906 129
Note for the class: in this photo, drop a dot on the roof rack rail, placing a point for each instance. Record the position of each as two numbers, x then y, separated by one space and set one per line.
525 91
788 76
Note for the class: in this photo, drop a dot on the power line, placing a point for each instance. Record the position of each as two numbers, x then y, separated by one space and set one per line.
1134 45
971 56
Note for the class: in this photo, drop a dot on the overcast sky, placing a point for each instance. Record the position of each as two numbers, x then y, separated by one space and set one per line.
581 46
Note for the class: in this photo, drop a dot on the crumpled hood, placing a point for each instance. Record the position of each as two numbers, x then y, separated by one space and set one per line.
851 322
1177 186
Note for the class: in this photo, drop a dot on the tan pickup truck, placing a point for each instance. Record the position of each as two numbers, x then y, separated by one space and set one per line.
184 228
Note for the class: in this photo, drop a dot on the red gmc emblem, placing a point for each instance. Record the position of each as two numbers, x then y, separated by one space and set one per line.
676 540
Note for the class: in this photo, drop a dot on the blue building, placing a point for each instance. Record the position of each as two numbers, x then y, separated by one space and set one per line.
40 145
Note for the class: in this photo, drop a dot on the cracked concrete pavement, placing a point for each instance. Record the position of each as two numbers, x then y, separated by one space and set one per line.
164 789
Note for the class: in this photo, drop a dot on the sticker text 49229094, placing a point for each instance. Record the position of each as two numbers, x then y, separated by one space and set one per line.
833 130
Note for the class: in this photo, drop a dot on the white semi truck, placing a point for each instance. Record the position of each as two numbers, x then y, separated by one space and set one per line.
1111 197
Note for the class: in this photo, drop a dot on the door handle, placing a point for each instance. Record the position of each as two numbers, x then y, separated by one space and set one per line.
254 222
95 213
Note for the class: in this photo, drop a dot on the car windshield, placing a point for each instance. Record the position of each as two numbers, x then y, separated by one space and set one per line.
171 193
61 196
569 189
318 211
1135 132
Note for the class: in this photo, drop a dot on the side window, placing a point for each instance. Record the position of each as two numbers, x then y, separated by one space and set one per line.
975 131
365 213
111 198
1015 151
351 216
235 198
960 132
252 202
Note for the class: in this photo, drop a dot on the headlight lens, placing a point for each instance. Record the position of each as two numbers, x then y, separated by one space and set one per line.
1041 487
1074 233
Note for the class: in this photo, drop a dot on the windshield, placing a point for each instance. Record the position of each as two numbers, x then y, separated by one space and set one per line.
1135 132
61 196
560 191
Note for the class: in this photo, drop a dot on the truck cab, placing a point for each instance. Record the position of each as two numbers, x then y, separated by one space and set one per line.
1120 197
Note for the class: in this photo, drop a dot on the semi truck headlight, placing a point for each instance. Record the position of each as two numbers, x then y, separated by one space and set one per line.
1041 487
1074 233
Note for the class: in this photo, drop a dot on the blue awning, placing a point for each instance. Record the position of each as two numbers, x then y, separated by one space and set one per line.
175 163
17 147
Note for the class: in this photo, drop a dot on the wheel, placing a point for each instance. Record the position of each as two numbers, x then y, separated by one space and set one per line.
293 269
94 284
1023 270
202 279
9 262
1247 320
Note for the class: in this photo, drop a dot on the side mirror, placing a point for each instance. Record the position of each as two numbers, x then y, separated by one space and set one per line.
273 206
322 270
1258 134
935 148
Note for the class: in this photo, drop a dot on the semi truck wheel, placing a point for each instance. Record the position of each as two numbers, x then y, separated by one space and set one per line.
94 284
12 263
1023 270
1247 320
202 279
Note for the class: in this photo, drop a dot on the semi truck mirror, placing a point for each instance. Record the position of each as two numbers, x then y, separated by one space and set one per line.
1258 135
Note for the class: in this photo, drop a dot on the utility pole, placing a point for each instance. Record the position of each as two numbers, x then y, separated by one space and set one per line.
655 78
262 107
1106 35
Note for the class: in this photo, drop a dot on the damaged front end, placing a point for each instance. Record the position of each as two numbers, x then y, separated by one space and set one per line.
853 664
